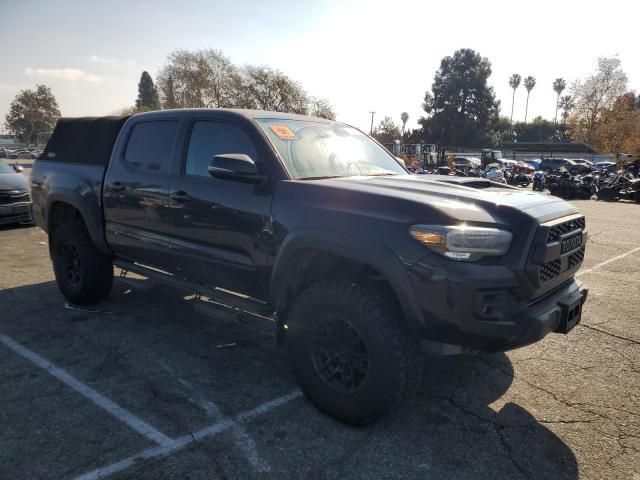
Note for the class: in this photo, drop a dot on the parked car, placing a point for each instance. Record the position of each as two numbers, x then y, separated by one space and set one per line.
610 166
15 205
26 154
554 164
583 161
466 162
361 266
533 162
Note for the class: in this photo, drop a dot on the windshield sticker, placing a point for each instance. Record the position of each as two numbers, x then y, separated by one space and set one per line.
283 132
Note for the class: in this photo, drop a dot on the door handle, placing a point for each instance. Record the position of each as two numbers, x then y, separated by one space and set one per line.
117 187
181 196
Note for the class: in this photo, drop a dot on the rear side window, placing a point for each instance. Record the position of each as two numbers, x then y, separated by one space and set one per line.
209 139
150 144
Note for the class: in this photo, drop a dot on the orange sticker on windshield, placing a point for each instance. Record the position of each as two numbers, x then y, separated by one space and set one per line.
283 132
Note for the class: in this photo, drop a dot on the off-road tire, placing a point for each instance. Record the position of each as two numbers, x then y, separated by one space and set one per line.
94 276
395 362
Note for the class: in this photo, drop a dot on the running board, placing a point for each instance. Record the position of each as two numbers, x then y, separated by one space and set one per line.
239 302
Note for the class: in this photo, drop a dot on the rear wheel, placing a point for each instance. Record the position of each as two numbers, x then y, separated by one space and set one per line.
352 355
84 274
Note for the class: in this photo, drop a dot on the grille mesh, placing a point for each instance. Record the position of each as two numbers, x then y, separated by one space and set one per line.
576 258
556 232
550 270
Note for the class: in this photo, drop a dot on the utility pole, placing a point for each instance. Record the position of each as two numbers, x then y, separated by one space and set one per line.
372 114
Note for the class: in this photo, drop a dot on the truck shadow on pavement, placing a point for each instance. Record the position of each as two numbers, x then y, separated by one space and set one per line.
456 427
500 439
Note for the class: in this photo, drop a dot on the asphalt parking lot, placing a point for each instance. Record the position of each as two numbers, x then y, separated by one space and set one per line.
150 385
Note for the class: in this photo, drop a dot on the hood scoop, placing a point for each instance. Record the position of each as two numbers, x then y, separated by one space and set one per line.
472 182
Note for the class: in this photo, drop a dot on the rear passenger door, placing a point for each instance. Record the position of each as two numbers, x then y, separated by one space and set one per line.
136 192
220 228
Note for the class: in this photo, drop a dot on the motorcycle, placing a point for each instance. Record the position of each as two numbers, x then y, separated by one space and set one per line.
564 185
622 186
538 181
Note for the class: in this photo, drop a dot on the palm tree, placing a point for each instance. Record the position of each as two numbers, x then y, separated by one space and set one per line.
558 86
566 103
514 82
529 83
404 116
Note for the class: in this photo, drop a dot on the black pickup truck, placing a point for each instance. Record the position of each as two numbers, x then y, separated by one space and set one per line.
362 266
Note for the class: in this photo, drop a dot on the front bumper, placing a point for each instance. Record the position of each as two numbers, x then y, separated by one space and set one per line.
15 213
474 308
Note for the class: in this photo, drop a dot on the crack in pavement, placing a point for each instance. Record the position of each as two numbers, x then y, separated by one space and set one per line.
636 342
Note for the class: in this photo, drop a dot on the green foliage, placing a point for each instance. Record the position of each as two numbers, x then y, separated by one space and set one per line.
529 84
387 131
404 118
538 130
462 108
514 83
209 79
321 108
32 112
147 93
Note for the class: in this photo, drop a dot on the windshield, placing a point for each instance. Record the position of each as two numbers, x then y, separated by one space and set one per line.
320 150
5 167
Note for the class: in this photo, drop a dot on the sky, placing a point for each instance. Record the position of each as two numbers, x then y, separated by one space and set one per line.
361 55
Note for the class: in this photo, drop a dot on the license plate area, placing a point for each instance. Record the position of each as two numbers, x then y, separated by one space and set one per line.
571 243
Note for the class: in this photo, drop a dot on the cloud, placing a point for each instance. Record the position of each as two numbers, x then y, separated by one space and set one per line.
73 74
98 59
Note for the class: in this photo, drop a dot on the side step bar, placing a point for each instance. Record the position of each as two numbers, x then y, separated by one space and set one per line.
218 295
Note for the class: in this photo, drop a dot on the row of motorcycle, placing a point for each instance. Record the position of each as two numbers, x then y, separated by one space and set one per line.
606 185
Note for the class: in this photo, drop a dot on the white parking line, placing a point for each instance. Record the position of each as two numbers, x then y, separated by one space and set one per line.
606 262
242 439
181 442
103 402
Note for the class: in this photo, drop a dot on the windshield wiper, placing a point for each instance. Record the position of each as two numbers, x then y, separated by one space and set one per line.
323 177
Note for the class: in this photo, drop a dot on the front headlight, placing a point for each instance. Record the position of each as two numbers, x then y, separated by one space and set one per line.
463 242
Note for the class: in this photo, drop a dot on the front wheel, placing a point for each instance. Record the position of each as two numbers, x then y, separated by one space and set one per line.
84 274
351 351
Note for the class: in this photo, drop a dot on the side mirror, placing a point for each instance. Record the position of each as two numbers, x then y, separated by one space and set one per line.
18 168
235 166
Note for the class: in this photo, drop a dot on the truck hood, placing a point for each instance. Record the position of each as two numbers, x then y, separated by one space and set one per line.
13 181
463 198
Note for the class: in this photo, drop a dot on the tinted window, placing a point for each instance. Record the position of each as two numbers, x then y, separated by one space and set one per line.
209 139
150 145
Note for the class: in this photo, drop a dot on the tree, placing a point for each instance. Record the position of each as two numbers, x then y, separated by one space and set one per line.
559 85
596 94
514 82
147 94
198 79
566 104
208 79
462 108
617 129
404 117
529 83
31 113
321 108
264 88
387 131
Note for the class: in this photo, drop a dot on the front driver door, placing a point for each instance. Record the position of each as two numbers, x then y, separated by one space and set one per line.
219 227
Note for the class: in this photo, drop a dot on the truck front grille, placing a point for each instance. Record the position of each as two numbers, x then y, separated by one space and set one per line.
563 249
557 231
13 196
